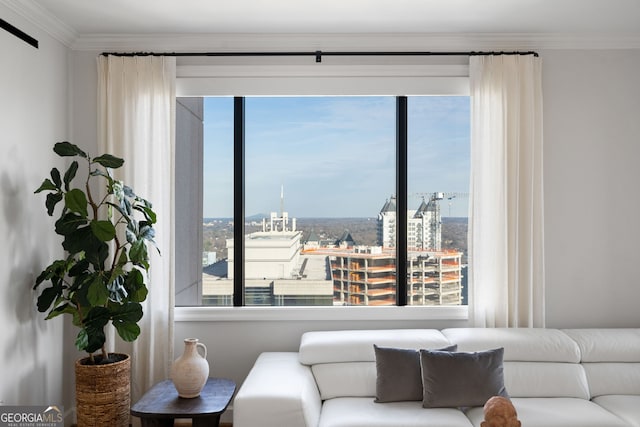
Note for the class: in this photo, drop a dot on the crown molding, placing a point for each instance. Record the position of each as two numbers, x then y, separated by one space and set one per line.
344 42
43 19
229 42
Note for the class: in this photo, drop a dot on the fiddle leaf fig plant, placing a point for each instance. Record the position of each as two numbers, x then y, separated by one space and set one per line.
107 231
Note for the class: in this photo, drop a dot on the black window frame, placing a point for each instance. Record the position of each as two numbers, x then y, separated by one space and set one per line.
239 198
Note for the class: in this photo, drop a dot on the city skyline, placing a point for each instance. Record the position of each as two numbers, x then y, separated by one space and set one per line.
335 156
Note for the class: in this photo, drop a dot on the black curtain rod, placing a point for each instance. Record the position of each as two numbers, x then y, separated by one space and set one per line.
18 33
319 54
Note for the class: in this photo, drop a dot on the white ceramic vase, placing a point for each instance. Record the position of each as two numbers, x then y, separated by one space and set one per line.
190 371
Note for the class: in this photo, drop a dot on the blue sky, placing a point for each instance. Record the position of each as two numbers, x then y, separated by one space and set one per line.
335 156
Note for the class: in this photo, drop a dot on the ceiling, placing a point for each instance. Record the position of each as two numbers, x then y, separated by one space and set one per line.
139 17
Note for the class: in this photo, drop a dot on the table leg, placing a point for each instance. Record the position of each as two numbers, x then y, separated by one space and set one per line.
212 421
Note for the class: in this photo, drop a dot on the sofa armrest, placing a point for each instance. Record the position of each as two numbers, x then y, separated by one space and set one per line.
279 391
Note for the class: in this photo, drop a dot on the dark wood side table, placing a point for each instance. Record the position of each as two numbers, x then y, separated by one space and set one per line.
161 405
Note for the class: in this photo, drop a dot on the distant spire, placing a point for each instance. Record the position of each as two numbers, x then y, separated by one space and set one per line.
390 205
281 199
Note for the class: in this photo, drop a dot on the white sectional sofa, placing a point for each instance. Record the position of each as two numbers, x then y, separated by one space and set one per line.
555 378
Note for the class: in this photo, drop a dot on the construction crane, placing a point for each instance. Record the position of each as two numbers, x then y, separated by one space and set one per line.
431 204
436 196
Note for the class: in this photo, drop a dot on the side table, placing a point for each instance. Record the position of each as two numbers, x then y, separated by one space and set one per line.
161 405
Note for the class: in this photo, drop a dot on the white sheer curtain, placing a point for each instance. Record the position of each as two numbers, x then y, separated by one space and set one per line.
136 121
506 252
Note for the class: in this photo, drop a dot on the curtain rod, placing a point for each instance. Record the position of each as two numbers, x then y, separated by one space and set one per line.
18 33
319 54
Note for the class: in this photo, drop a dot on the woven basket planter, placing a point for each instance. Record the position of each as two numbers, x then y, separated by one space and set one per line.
103 393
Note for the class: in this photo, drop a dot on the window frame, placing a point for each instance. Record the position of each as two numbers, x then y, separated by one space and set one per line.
423 77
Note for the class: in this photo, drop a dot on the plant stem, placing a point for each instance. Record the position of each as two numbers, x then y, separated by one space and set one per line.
116 254
94 207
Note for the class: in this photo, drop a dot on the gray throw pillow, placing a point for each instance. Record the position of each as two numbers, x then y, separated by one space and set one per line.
461 379
398 374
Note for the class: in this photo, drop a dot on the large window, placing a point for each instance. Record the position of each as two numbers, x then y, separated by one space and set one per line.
337 191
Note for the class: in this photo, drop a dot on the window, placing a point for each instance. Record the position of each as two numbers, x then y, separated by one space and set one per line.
320 201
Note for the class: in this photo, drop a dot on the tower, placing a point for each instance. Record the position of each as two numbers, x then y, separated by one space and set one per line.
386 233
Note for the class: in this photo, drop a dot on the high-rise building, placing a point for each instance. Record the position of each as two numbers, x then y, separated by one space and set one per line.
367 276
424 225
275 271
280 270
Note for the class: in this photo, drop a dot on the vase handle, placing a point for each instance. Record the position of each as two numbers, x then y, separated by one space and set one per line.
204 347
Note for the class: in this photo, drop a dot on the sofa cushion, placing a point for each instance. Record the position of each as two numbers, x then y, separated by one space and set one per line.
353 379
607 345
613 378
611 359
549 379
520 344
278 391
625 407
537 362
556 412
398 374
364 412
452 379
357 346
343 362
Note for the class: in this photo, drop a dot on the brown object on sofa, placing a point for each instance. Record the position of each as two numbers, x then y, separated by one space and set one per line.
499 412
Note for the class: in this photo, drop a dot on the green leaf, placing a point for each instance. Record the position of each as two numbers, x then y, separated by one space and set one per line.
128 191
70 174
124 257
55 176
98 172
95 339
80 289
138 254
128 331
44 275
46 298
131 236
68 223
52 201
103 230
117 292
134 283
140 295
79 268
65 308
146 231
98 317
149 214
66 149
97 293
57 269
129 312
78 241
83 240
109 161
94 324
76 201
119 209
125 204
46 185
82 340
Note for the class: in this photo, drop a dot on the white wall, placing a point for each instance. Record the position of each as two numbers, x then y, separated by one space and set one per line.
592 147
592 200
34 106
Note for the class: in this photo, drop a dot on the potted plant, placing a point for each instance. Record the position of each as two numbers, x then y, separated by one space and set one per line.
107 231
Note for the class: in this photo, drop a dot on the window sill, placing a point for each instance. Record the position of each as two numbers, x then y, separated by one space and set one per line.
262 314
